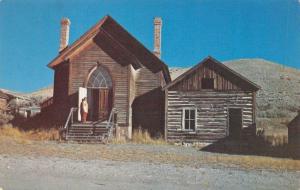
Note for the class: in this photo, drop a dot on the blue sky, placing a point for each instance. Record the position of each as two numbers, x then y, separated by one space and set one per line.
224 29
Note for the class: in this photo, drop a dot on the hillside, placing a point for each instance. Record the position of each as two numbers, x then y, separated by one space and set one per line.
41 94
279 97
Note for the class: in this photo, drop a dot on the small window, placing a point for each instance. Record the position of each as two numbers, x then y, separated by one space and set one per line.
207 83
189 119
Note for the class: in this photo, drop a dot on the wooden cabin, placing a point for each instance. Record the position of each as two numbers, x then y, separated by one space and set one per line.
114 71
294 131
209 102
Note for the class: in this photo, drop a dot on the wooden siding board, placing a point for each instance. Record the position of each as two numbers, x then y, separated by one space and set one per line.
211 113
192 82
84 62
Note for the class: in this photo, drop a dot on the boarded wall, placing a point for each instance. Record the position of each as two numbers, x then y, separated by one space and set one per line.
83 63
212 113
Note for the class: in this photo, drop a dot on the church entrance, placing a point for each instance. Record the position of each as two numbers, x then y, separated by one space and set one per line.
99 94
100 101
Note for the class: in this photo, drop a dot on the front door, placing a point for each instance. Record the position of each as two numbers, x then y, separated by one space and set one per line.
101 104
235 123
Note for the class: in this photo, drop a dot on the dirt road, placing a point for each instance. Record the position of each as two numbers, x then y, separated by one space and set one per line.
19 172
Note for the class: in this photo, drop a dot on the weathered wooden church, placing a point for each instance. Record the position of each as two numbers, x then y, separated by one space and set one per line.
127 86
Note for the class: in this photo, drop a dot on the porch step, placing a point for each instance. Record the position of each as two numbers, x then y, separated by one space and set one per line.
87 132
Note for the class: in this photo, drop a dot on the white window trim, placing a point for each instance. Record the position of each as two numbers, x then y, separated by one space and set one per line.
183 119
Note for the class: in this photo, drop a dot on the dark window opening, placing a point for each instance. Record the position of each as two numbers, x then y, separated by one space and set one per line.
207 83
189 119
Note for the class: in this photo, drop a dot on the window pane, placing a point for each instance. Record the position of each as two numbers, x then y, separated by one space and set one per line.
192 114
186 124
100 78
192 124
186 114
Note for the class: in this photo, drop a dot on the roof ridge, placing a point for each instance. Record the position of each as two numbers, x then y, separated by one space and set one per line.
183 75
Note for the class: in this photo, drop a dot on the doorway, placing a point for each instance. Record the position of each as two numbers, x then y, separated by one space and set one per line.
235 122
100 101
99 94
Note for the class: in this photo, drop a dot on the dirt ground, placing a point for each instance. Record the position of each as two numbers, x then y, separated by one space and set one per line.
51 165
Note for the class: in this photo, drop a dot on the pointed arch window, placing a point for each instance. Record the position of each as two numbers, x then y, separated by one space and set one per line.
100 78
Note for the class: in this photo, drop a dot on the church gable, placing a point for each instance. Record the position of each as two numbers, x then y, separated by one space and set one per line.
118 44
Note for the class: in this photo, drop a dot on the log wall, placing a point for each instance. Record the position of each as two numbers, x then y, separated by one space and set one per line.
212 113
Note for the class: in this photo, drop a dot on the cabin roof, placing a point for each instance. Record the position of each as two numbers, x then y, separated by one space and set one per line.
208 60
295 122
123 43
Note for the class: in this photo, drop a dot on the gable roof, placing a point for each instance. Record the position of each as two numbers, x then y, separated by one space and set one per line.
295 123
208 60
119 44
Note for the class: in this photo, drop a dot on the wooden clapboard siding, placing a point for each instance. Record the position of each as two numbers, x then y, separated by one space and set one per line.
148 106
224 78
212 112
61 82
146 81
193 81
84 62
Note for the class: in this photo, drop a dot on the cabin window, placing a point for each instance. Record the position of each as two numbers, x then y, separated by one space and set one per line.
207 83
189 119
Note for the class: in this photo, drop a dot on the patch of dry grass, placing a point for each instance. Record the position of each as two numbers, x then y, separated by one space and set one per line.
8 131
276 139
143 137
166 154
140 136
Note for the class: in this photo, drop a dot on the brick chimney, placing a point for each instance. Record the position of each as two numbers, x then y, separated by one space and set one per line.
64 33
157 36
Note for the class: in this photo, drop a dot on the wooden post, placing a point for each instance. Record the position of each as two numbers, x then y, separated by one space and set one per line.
166 115
115 120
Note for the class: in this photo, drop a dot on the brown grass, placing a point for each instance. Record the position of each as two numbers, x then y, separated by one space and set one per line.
167 154
8 131
276 139
143 137
140 136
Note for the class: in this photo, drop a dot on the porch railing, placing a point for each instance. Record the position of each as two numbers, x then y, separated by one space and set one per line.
111 124
69 122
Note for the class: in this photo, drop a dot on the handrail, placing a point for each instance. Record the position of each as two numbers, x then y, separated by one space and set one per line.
70 117
113 110
111 122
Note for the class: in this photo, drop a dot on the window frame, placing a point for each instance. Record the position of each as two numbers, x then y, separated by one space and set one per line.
208 78
183 119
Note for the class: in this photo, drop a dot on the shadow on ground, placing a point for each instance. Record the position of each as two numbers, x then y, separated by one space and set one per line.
257 146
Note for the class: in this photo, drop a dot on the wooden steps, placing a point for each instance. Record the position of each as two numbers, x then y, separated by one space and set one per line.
87 132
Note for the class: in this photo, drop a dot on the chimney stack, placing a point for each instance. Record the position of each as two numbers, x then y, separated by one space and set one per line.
157 36
64 33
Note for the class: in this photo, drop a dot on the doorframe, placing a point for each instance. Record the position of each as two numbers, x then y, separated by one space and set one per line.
98 89
98 64
242 118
